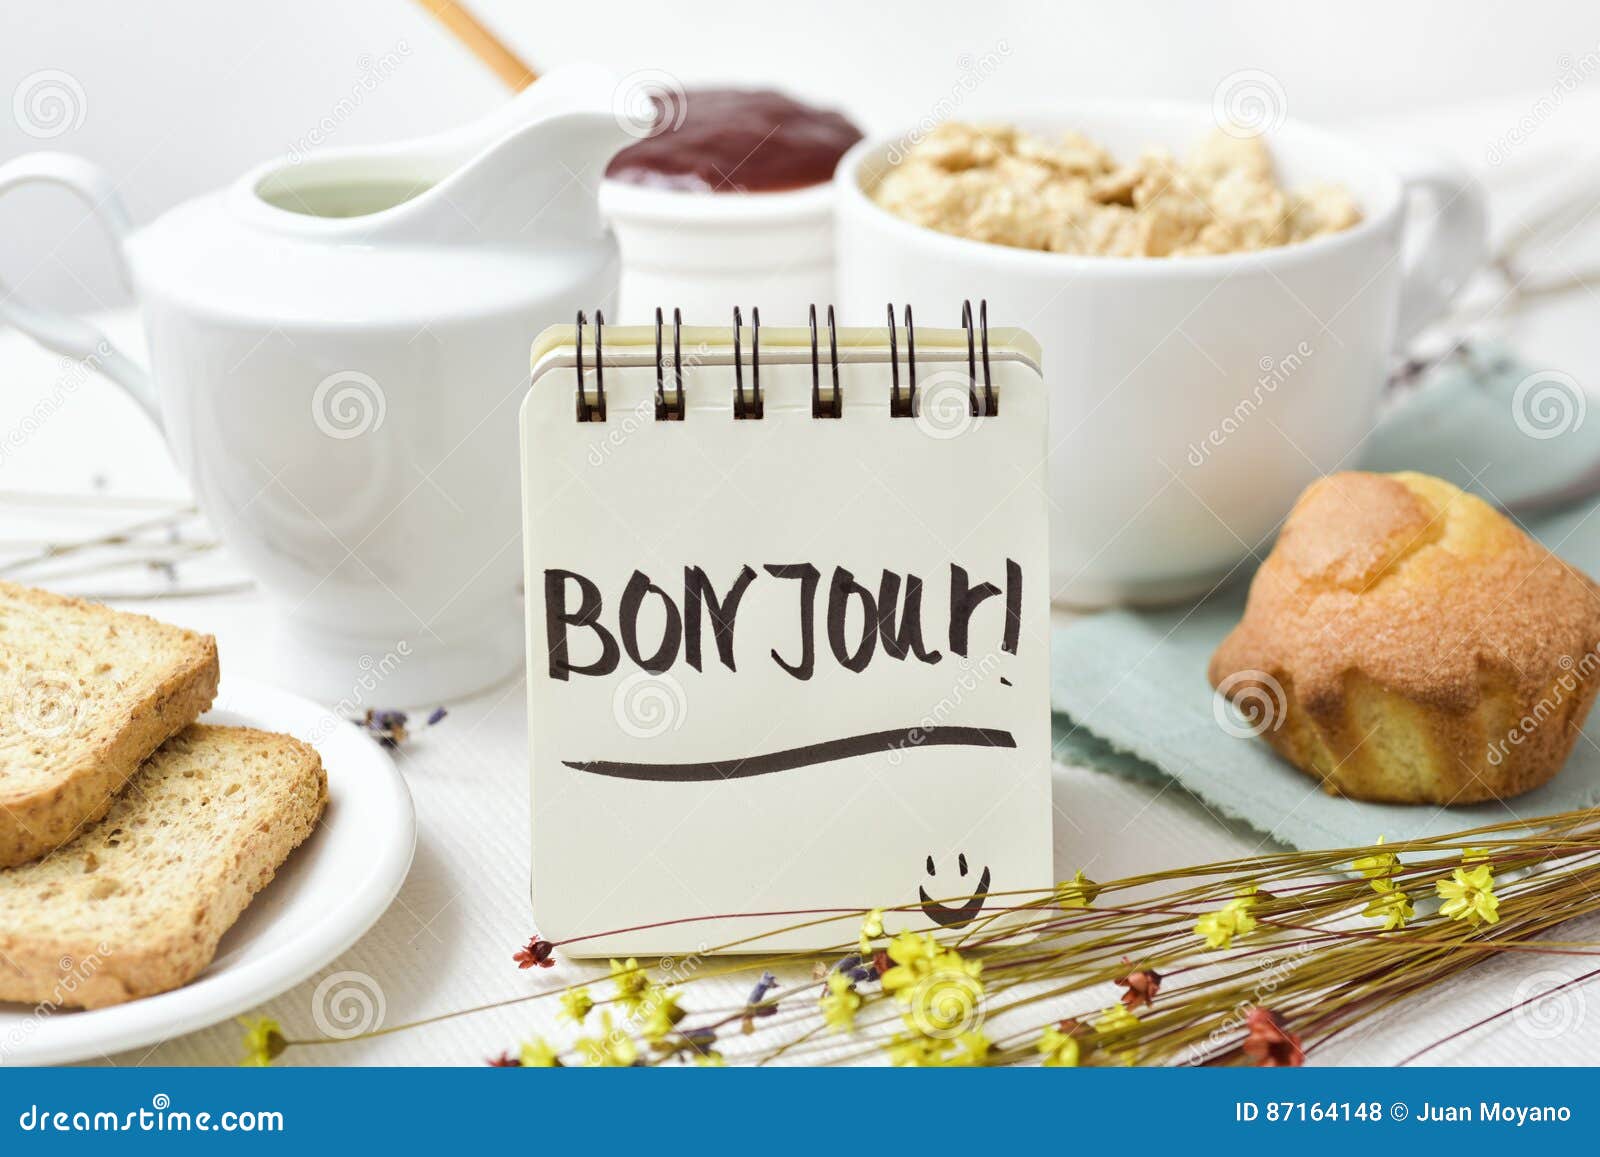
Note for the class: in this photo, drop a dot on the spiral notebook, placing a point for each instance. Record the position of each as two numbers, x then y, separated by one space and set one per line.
788 632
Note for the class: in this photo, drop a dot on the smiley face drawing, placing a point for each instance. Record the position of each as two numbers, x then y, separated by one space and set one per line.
963 915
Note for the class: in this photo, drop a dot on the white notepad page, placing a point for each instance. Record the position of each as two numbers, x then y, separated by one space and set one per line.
730 708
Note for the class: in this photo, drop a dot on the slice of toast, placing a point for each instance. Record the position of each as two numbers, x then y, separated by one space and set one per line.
86 694
137 904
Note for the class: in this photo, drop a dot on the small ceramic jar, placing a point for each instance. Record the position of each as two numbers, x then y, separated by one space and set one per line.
730 203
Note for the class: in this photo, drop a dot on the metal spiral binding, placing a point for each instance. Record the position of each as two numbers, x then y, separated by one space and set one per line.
754 407
991 404
894 364
835 407
902 403
670 411
597 411
902 407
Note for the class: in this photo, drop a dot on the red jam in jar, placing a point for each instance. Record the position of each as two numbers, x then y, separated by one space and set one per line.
726 140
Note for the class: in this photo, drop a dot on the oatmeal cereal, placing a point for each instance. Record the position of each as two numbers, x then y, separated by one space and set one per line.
1002 185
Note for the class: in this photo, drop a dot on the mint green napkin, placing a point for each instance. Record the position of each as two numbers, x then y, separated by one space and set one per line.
1130 689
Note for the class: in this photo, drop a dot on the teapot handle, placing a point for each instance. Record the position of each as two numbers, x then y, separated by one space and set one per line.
63 333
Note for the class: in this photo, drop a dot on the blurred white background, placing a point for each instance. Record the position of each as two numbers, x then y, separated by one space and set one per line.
178 97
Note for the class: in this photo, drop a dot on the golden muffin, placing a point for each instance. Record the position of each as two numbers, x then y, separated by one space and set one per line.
1406 642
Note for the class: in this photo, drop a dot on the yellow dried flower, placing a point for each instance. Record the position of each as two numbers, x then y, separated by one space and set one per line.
263 1042
840 1003
968 1050
576 1004
919 957
1469 895
942 989
972 1051
871 929
1392 906
631 982
658 1013
611 1049
1378 868
1060 1049
1233 919
1078 892
913 957
1118 1018
536 1054
913 1050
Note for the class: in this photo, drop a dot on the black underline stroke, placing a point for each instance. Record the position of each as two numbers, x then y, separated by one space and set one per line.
811 754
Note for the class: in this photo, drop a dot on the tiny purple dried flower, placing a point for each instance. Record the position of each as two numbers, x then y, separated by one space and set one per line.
858 970
759 993
700 1040
389 726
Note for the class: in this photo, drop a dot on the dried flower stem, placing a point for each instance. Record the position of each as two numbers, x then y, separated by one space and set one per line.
1309 949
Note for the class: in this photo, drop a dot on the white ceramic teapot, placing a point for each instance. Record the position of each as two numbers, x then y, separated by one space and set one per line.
338 347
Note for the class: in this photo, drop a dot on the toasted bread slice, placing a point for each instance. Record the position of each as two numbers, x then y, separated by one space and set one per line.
86 694
137 904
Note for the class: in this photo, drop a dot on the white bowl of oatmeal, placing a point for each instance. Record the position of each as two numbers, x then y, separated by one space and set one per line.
1217 311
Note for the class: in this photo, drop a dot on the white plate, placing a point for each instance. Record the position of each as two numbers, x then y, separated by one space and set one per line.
331 890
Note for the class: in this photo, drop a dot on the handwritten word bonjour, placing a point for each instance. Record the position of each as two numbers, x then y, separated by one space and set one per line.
890 619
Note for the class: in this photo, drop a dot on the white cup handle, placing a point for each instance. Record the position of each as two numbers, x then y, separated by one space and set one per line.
1449 250
63 333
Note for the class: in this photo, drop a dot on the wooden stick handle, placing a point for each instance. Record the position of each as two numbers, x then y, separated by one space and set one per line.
482 43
